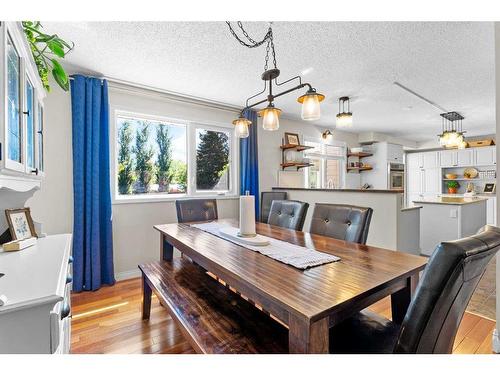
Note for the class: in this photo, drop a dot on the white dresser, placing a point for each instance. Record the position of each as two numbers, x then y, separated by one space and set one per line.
37 283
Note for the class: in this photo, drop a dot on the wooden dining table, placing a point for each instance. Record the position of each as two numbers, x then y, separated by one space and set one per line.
309 301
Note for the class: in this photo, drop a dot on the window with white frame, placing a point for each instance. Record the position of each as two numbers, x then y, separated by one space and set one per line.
160 158
328 164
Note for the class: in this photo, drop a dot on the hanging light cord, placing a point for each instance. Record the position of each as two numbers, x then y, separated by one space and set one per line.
251 43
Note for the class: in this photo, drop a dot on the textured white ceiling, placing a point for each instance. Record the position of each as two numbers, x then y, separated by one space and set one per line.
450 63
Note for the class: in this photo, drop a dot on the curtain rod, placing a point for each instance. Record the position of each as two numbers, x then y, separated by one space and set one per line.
171 95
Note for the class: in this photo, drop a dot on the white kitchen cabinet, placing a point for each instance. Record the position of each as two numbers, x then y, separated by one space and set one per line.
485 155
432 181
491 211
21 97
431 159
395 153
37 315
414 160
465 158
448 158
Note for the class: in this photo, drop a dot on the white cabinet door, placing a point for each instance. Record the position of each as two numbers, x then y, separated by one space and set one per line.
394 153
431 159
491 211
465 158
414 160
414 181
486 155
448 158
432 180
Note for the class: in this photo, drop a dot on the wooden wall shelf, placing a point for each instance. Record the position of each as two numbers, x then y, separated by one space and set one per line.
295 147
296 165
359 154
359 169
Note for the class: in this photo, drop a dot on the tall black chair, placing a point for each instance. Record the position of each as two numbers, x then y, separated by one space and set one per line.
190 210
266 199
341 221
288 214
434 314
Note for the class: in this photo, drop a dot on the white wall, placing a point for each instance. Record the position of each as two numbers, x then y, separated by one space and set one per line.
135 241
496 342
270 153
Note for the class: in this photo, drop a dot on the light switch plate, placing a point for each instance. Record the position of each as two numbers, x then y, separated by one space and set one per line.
453 213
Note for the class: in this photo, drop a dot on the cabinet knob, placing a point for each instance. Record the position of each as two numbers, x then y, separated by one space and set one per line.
35 171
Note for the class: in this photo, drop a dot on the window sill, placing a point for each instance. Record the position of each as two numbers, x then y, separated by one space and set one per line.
161 199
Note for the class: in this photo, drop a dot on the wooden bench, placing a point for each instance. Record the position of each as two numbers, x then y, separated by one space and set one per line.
211 317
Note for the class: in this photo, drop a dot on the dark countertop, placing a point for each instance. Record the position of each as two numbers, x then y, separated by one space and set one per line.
344 190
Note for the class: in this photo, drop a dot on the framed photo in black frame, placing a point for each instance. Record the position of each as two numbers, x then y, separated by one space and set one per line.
489 187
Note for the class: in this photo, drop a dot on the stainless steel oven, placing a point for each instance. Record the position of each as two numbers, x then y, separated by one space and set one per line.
396 176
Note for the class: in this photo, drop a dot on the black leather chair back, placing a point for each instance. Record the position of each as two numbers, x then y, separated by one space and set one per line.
452 274
190 210
266 198
341 221
288 214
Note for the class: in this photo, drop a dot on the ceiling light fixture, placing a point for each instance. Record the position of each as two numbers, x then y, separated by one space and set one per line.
344 118
327 135
270 115
452 134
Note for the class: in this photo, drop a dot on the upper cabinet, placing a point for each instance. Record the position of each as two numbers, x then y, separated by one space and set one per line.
431 159
21 110
486 155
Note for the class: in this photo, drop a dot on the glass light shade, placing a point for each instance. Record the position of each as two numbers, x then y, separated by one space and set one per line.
270 118
462 145
241 127
344 120
310 107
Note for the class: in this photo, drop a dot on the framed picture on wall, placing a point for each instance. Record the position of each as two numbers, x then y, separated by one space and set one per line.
20 223
489 187
292 139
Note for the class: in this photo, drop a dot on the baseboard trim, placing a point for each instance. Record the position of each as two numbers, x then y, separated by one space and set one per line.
119 276
496 342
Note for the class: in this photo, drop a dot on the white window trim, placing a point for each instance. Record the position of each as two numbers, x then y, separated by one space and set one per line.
323 158
191 126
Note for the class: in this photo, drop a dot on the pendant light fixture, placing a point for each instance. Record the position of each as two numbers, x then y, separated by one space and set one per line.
270 114
241 126
452 134
344 117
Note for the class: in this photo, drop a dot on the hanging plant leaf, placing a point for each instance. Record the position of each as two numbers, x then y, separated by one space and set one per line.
46 50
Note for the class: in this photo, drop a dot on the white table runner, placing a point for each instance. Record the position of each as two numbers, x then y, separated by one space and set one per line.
282 251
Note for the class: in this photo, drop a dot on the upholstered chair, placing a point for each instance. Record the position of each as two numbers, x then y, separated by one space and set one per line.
435 312
341 221
288 214
190 210
266 198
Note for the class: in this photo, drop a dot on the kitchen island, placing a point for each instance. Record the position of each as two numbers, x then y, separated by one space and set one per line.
448 219
393 226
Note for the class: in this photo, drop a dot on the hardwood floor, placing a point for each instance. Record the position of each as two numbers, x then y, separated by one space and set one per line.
109 321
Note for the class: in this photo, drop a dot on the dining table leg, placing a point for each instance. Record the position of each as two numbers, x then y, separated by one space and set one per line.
307 337
166 249
146 299
401 299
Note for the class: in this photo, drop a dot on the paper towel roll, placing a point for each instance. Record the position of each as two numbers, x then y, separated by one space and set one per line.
247 215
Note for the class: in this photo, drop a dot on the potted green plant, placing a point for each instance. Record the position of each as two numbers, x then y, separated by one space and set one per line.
452 187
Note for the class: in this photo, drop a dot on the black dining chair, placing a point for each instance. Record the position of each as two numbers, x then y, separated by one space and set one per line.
435 312
190 210
288 214
266 199
341 221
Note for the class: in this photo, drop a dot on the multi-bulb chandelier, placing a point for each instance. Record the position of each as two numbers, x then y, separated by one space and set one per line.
452 135
270 114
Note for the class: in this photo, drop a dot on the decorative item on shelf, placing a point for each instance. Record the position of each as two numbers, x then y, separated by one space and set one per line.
327 136
482 143
470 188
489 188
452 187
20 223
310 100
452 135
292 139
450 176
344 117
17 245
470 173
